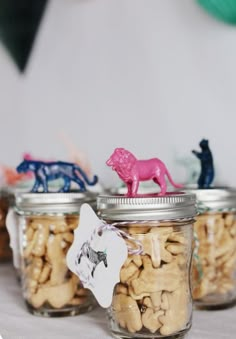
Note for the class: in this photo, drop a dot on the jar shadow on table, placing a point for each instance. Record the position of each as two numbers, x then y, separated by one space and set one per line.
100 318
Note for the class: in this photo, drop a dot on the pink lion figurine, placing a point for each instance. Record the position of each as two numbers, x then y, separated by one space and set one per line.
132 171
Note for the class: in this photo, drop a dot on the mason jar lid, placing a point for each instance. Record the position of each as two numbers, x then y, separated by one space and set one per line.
215 199
44 203
175 205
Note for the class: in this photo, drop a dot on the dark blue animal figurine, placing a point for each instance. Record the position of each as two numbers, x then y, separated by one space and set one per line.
95 257
48 171
207 168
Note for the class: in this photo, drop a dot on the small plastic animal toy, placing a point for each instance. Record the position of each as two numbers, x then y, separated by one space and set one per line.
207 167
47 171
132 171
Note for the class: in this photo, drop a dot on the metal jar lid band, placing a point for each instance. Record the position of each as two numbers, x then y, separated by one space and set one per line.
147 207
215 199
52 202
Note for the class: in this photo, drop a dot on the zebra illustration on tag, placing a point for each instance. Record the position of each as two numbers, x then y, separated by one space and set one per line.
95 257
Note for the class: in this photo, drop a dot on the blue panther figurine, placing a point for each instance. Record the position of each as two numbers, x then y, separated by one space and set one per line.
47 171
207 168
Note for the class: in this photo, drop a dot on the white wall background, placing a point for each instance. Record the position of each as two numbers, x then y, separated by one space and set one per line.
153 76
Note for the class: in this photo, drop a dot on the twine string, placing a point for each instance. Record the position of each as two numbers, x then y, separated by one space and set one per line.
123 235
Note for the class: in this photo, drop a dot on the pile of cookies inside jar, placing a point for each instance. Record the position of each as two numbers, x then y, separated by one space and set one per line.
214 260
46 224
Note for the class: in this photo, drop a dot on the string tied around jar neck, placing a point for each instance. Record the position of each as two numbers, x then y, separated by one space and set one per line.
124 235
139 247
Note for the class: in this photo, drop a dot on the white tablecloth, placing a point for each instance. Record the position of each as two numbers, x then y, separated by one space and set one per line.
17 323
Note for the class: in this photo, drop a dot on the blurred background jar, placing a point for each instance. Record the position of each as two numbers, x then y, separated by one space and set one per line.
46 225
5 250
12 221
154 282
214 264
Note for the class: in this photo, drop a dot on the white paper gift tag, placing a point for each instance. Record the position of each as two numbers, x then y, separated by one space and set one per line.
12 222
96 257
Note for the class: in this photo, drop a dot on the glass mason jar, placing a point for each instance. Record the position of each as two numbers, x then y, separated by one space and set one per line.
152 298
5 251
46 225
214 264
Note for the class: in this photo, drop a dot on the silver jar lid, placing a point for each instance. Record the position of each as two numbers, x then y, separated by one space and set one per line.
176 205
215 199
46 203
